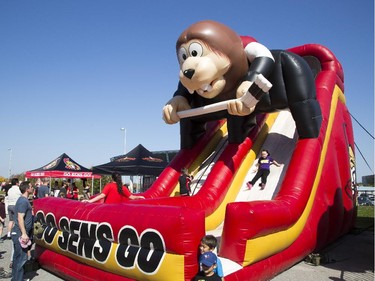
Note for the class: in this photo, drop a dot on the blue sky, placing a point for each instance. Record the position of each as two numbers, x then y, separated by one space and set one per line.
73 72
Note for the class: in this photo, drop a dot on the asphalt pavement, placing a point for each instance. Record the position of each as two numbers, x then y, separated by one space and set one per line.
349 258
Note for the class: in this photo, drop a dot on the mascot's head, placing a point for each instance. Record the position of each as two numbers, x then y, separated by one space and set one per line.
212 60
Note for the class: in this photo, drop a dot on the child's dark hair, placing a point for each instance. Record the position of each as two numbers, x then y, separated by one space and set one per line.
210 241
15 181
265 150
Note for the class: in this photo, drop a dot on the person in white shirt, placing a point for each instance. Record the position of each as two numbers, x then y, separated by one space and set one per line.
13 194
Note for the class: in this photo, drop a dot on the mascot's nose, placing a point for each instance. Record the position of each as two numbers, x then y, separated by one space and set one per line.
189 73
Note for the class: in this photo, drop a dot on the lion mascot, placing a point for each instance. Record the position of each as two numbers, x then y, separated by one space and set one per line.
217 66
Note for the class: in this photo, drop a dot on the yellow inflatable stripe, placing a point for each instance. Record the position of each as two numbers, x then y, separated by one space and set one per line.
265 246
217 217
212 144
171 267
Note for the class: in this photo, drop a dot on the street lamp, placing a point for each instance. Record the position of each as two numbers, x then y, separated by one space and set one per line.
124 129
10 162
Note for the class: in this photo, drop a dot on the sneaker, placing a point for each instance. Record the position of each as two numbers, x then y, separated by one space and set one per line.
249 185
262 186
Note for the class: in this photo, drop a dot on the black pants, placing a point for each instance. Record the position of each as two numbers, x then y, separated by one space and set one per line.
262 173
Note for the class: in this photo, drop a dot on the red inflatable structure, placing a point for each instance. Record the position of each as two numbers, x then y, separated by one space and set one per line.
157 238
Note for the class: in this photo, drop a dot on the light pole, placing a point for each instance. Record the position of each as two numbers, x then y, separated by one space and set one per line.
10 162
124 129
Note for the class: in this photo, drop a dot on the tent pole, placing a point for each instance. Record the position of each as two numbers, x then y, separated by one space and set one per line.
92 185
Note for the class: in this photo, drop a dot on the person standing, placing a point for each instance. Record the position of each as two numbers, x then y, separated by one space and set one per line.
5 187
36 187
2 218
184 181
21 233
114 192
86 192
63 190
72 192
263 166
55 189
43 190
13 195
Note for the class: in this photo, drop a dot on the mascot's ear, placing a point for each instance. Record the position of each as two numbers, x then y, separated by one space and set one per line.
223 39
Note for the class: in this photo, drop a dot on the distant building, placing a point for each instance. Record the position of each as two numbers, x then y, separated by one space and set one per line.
368 180
166 155
366 189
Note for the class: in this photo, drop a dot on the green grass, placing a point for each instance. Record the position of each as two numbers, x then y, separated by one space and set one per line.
365 218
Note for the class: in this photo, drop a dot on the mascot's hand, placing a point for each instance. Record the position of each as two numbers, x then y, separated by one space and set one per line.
238 107
248 95
177 103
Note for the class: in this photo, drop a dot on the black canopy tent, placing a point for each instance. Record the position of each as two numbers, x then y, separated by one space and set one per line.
62 167
137 162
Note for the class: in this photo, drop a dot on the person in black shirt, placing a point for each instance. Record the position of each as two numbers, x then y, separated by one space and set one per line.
184 181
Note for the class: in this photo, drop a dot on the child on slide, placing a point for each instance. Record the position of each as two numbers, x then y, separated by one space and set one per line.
263 165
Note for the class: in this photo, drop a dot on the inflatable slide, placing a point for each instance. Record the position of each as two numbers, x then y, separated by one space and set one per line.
308 202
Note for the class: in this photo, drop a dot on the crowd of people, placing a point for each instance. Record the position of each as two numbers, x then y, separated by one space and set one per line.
17 206
19 198
68 189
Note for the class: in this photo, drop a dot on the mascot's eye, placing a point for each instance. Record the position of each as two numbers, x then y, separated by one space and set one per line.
195 50
182 55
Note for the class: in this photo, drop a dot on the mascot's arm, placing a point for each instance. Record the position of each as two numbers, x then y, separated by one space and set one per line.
261 62
179 102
